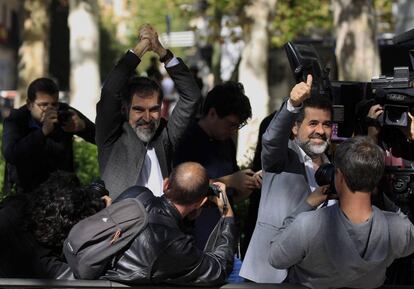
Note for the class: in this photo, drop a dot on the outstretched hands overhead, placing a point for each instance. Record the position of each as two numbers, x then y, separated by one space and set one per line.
148 41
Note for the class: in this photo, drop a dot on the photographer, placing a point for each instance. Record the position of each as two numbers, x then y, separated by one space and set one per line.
162 252
347 245
397 142
37 138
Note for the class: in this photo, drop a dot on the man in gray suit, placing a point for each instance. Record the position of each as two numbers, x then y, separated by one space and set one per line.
135 145
289 165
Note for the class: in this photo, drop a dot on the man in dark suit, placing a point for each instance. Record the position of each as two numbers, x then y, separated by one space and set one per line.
37 138
135 145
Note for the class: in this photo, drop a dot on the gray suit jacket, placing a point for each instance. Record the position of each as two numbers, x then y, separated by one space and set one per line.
284 187
121 153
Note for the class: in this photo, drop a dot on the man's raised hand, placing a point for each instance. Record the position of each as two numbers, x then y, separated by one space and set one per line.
301 91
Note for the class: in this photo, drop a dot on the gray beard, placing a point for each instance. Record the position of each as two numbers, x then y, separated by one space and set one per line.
312 150
144 134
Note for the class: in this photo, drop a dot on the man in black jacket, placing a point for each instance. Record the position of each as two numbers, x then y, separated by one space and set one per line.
163 253
135 145
37 138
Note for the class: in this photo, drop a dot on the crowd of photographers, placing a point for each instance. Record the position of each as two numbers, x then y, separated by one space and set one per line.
326 216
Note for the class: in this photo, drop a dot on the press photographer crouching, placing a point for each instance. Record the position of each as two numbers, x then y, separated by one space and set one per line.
162 252
349 244
33 226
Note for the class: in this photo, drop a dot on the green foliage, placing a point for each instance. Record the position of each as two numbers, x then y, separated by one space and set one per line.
299 18
86 161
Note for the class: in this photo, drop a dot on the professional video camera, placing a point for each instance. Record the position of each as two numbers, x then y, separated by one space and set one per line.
394 93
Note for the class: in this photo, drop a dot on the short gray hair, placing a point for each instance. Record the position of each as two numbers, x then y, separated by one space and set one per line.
361 162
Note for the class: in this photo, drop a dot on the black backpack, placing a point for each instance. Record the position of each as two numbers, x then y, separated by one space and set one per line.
95 241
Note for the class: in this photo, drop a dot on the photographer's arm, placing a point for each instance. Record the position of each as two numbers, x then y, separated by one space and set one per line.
286 247
109 111
80 125
244 182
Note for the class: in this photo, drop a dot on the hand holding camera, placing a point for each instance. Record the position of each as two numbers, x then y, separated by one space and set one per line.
218 196
49 119
70 121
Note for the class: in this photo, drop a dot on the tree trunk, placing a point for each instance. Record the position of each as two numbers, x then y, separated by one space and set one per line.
84 56
34 50
253 74
356 44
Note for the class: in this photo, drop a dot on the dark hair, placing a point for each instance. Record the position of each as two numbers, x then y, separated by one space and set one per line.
143 86
322 102
58 204
188 184
43 84
228 98
361 162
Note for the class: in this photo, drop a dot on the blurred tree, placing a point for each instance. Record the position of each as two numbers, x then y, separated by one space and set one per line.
253 72
301 18
356 44
34 48
85 80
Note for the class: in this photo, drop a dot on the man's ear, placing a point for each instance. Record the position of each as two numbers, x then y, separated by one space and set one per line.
29 104
125 110
165 184
212 112
203 201
295 129
200 203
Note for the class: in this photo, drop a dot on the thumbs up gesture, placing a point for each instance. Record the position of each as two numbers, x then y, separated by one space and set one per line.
301 91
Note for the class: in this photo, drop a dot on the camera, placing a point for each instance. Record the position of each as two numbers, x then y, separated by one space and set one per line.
325 175
395 95
64 115
399 187
99 188
213 191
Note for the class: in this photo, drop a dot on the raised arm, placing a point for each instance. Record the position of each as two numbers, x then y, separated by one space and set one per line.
189 92
109 115
276 138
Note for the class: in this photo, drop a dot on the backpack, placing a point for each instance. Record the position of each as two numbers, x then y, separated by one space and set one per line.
95 241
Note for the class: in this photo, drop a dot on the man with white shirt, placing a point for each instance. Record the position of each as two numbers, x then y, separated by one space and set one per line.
293 149
135 145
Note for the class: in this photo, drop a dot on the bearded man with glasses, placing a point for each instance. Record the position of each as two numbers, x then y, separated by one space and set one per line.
37 138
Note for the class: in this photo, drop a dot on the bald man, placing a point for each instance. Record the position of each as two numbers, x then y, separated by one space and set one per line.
163 253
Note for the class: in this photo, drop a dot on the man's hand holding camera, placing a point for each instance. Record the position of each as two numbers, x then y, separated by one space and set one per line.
373 129
221 200
49 119
301 91
74 123
318 196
